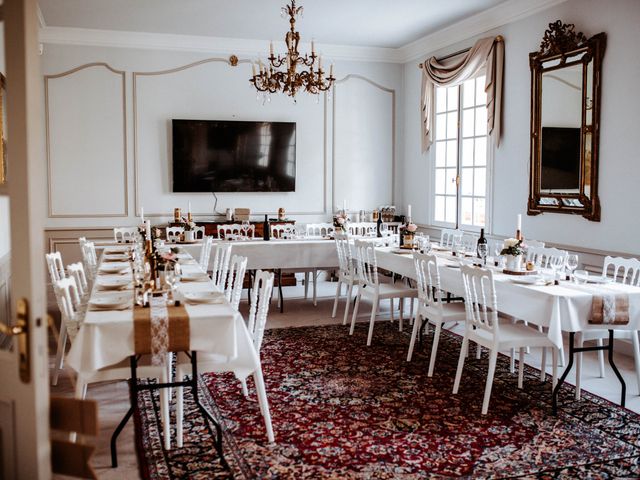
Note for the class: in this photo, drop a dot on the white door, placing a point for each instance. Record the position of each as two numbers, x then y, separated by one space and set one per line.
24 391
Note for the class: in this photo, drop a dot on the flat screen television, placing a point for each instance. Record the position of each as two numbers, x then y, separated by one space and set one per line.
233 156
560 158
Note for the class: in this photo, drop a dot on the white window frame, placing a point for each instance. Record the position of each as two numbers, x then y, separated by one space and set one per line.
489 193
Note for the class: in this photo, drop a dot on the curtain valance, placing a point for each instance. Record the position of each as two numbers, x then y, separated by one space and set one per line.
487 53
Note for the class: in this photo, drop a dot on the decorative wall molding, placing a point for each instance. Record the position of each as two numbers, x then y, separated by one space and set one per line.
393 133
47 79
502 14
195 43
136 165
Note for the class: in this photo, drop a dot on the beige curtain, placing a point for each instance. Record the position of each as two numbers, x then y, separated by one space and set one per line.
487 52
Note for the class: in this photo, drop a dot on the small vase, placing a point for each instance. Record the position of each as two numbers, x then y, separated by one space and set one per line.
514 262
189 236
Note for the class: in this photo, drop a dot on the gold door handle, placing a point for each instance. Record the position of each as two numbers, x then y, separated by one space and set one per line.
21 330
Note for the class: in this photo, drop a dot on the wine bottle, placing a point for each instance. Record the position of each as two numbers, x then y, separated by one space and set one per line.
401 232
266 229
481 241
379 226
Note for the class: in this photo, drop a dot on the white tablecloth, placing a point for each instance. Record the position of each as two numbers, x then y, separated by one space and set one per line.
107 337
285 254
564 307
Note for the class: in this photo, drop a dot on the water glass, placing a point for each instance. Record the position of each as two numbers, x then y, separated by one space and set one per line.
571 263
482 251
245 229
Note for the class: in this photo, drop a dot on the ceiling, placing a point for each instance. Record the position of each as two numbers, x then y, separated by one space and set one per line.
371 23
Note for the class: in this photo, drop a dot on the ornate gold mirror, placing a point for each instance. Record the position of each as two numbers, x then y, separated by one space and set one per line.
3 114
565 122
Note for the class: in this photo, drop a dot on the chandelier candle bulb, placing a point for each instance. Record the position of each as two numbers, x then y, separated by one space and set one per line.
253 69
313 47
331 71
271 49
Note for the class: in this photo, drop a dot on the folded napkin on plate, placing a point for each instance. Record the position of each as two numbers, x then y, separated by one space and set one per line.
610 309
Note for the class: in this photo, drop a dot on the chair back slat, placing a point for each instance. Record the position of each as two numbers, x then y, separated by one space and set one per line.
89 258
481 303
173 234
76 270
225 231
622 270
199 232
205 253
259 309
55 266
319 229
220 264
235 279
283 230
428 279
448 236
125 234
546 256
69 303
367 265
345 259
363 229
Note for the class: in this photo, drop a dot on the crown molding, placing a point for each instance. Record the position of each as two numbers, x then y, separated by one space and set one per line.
502 14
193 43
494 17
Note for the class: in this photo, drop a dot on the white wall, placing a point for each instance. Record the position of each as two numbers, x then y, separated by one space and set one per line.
109 141
619 166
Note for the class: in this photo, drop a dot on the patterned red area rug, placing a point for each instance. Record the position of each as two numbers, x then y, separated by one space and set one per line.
342 410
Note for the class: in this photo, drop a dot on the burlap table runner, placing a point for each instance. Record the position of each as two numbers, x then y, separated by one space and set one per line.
610 309
160 329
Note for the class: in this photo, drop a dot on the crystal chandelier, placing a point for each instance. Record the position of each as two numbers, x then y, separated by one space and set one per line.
270 79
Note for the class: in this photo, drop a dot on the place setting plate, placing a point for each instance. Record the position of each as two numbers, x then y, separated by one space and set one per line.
114 268
115 257
204 297
110 302
194 277
598 279
114 283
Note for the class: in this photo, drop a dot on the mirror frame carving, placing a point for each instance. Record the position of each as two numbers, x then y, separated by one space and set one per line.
561 42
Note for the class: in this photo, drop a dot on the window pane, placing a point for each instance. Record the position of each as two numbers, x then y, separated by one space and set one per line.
452 98
467 123
481 96
440 153
481 121
478 212
480 182
438 214
450 210
466 188
452 125
440 181
481 151
466 212
452 153
441 126
468 90
441 100
451 181
467 152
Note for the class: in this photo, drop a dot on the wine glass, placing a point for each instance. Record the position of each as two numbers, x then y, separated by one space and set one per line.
571 263
556 264
245 228
497 252
483 249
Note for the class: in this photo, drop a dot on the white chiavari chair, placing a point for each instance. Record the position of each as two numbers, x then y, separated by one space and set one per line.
282 230
173 234
205 253
448 236
125 234
620 270
259 309
469 242
220 264
199 233
235 279
55 266
362 229
369 286
90 259
319 230
346 274
543 257
483 327
76 270
534 243
431 307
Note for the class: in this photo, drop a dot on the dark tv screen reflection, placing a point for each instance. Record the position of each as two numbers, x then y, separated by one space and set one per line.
560 158
230 156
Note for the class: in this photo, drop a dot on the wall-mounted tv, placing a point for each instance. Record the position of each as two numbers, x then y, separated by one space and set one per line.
233 156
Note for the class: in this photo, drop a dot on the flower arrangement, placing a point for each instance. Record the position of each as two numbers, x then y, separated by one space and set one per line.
187 225
340 221
512 246
412 228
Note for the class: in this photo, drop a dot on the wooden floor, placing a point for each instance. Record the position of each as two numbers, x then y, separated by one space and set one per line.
113 396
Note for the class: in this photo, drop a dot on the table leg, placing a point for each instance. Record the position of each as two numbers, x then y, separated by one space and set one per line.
280 290
133 396
204 411
572 352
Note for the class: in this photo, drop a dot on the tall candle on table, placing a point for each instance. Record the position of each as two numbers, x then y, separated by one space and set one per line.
408 213
142 214
148 228
344 205
519 227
